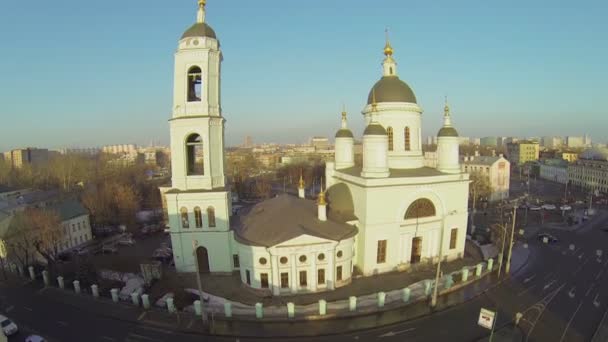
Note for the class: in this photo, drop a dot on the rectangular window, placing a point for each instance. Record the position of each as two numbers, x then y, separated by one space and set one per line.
264 280
339 273
79 226
235 260
248 277
453 237
321 276
73 227
303 278
381 252
284 280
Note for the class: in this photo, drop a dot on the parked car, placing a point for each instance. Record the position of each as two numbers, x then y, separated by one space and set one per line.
535 208
565 207
127 241
35 338
8 326
550 238
109 250
549 206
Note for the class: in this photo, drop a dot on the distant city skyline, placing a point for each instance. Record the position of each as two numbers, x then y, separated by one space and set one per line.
102 74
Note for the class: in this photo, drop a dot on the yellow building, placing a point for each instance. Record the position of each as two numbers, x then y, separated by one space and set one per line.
570 156
522 152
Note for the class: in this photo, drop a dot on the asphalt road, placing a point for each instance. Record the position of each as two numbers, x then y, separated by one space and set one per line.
562 293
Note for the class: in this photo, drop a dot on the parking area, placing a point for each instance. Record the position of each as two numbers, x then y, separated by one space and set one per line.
128 258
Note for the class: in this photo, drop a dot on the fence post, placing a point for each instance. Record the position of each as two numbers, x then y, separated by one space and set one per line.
76 286
135 298
170 305
291 310
406 294
32 273
259 310
322 307
95 291
465 274
61 282
381 299
45 277
490 264
198 308
352 303
114 293
145 300
228 309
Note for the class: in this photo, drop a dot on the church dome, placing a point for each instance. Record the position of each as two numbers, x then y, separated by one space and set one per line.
374 128
391 89
447 132
344 133
199 30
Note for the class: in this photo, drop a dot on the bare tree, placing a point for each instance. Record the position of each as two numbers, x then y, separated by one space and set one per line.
48 234
479 187
19 241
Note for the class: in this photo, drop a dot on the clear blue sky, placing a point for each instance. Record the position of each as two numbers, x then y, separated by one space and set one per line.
88 73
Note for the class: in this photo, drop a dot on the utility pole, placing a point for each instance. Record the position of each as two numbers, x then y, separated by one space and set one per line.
438 272
474 210
508 266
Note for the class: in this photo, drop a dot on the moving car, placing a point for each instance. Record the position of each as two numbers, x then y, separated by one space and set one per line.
8 326
109 250
550 238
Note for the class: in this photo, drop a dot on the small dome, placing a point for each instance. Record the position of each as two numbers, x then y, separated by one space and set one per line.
199 30
391 89
344 133
447 132
374 129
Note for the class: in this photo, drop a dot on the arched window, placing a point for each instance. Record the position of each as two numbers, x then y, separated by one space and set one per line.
198 217
184 215
194 155
422 207
194 84
406 134
389 132
211 216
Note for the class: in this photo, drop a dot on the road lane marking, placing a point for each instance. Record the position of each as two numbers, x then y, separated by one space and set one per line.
581 256
570 321
529 278
144 337
548 275
143 314
572 292
145 327
549 284
596 302
108 338
28 309
395 333
62 323
590 287
526 290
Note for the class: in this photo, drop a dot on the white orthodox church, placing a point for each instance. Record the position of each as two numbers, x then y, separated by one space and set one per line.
385 215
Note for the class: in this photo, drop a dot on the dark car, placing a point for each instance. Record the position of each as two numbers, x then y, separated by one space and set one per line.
550 238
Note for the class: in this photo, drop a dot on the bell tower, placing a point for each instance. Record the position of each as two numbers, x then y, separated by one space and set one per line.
197 125
198 203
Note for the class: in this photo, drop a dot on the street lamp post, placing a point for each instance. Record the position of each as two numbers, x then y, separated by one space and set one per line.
502 250
438 272
198 280
508 266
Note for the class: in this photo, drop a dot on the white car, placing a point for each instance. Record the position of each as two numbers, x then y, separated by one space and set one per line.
565 207
35 338
549 207
8 326
534 208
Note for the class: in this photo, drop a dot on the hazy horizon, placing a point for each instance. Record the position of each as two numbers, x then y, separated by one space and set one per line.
101 73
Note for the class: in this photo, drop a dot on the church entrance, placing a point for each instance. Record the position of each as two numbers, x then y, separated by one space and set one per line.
202 258
416 250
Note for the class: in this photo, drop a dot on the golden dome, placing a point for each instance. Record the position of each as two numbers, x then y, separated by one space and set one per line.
388 49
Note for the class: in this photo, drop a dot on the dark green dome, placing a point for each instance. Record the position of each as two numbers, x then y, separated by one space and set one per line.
374 128
447 132
391 89
344 133
199 30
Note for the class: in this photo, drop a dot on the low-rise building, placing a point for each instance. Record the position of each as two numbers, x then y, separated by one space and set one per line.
590 171
30 156
497 169
522 152
555 170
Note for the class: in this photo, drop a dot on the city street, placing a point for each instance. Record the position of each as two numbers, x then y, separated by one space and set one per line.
561 292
